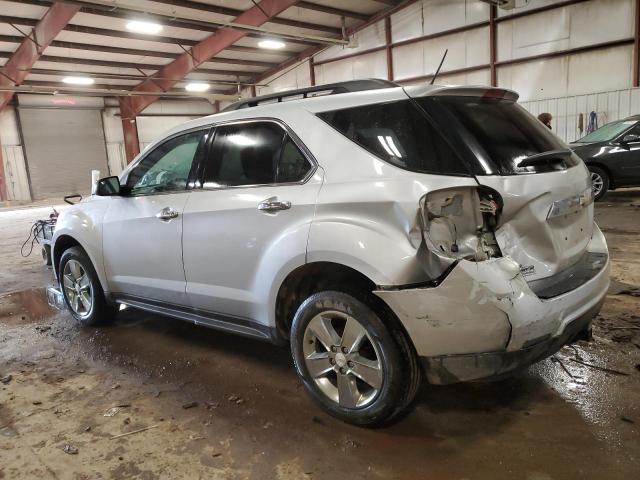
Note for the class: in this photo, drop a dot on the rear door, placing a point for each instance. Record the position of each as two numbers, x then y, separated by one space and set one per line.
142 231
251 218
547 218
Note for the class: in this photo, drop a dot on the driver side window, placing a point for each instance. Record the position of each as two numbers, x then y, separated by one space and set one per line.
167 167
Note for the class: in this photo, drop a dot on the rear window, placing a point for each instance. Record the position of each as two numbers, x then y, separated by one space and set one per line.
399 133
500 132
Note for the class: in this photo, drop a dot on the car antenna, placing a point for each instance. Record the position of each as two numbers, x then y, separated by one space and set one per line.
439 67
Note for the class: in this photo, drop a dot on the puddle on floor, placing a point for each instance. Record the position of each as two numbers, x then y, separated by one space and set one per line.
27 306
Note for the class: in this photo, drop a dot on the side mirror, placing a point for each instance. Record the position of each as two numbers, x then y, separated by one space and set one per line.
630 138
108 187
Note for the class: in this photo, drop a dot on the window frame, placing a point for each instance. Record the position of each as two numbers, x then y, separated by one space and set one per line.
192 179
306 153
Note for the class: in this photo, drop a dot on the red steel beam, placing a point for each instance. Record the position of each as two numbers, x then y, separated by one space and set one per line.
129 129
636 47
17 67
388 48
493 45
205 50
165 78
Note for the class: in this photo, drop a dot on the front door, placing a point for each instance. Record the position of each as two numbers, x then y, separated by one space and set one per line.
250 220
142 230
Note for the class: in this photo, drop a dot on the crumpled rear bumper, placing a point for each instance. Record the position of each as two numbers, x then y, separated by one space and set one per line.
447 369
484 319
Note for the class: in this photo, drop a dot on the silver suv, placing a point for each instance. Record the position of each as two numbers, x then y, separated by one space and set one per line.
388 234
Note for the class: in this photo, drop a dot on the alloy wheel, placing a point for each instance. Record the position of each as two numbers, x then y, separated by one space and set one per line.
597 183
77 288
342 359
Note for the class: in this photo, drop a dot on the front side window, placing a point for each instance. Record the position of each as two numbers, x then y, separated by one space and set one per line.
398 133
255 153
167 167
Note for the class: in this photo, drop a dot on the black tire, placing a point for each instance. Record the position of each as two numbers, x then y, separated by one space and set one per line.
46 255
100 311
401 376
597 172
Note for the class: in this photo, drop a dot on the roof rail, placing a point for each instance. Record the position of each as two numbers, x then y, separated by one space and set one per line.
318 90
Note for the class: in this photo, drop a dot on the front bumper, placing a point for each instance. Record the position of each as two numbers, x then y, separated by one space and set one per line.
485 320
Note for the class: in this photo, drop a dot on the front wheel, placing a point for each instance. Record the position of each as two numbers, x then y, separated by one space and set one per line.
82 290
352 364
599 182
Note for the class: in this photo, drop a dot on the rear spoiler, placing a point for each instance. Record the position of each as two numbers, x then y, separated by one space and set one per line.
462 91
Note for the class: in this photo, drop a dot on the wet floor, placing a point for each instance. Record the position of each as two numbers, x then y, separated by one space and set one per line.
196 403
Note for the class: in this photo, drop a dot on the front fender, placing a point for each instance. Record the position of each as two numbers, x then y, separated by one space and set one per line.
83 224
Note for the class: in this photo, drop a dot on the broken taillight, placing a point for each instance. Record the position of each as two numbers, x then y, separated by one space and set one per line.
459 223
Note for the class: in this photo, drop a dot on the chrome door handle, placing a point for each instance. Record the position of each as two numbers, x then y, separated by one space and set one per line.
270 206
167 213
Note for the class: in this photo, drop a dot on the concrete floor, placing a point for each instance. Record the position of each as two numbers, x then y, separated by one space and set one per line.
248 416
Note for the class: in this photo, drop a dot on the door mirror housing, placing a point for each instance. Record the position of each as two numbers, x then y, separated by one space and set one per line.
630 138
108 187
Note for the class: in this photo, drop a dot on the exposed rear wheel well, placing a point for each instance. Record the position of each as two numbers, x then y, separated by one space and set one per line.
64 242
315 277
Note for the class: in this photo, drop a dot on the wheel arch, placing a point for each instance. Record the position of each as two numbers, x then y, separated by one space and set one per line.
607 170
313 277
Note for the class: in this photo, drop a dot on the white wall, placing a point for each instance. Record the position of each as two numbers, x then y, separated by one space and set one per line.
574 26
13 157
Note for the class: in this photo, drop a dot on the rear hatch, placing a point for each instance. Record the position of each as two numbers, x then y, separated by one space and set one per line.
547 213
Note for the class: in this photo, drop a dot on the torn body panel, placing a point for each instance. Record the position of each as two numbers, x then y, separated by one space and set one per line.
488 307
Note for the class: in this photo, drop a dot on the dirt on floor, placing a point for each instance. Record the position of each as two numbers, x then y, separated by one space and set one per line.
149 397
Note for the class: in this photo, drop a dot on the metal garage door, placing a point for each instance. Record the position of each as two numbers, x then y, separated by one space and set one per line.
62 147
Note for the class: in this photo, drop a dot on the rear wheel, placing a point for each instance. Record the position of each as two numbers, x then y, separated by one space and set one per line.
354 366
599 182
81 289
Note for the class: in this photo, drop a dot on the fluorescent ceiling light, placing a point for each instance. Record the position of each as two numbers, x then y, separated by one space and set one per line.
148 28
197 87
271 44
78 80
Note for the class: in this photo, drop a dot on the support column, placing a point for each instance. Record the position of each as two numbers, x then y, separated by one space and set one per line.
388 47
493 40
129 129
636 47
312 72
3 179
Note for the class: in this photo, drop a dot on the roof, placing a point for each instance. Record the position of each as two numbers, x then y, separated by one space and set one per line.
315 91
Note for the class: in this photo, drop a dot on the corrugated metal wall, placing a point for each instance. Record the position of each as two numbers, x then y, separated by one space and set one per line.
608 106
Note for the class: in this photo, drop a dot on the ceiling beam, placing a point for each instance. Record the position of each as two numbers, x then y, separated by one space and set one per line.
234 12
71 27
138 52
175 71
122 9
130 65
123 76
332 11
127 9
30 50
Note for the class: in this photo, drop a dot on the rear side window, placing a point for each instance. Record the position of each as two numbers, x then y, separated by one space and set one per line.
503 132
256 153
398 133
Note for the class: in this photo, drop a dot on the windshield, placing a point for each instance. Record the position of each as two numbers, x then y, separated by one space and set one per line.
500 133
608 132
